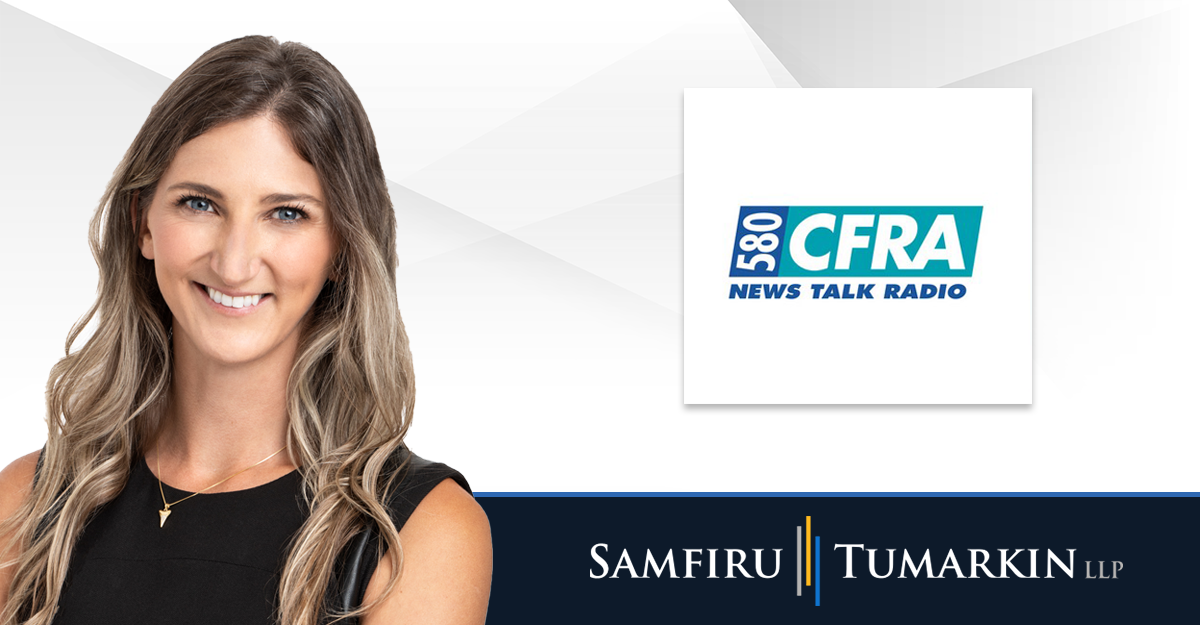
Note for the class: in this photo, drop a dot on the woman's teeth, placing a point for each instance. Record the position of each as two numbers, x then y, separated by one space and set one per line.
232 302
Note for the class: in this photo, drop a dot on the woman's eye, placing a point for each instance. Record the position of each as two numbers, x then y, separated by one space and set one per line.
288 214
198 204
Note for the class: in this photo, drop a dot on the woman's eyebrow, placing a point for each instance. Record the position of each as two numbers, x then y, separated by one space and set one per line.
266 199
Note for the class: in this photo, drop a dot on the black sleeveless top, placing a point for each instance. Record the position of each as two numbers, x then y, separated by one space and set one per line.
218 557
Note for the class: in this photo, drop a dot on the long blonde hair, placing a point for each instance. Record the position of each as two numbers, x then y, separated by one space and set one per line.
349 394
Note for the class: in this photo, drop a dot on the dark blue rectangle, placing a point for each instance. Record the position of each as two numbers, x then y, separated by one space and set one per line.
755 234
544 565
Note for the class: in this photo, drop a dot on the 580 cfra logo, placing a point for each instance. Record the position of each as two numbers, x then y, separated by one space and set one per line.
856 241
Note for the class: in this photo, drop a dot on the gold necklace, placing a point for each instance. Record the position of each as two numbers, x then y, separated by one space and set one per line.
166 511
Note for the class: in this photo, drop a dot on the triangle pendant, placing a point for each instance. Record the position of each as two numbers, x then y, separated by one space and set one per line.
162 516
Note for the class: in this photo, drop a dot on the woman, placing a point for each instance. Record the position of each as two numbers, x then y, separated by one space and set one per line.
250 367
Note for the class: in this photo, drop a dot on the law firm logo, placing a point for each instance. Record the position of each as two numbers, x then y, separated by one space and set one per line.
761 565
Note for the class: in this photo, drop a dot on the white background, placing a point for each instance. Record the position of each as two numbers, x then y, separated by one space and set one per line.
534 152
858 147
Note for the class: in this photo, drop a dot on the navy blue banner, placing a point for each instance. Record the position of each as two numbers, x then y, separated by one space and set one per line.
772 559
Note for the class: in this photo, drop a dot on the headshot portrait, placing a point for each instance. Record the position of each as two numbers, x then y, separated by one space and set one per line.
226 431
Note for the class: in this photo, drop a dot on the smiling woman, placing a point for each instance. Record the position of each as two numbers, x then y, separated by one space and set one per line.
224 241
228 445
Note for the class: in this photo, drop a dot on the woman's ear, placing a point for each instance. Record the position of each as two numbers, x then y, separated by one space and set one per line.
140 229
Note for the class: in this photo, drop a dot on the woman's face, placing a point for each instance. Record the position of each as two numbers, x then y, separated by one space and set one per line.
241 241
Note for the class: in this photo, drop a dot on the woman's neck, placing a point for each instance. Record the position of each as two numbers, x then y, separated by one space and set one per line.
223 418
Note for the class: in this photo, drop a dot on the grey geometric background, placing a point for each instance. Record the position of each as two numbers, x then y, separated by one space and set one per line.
540 227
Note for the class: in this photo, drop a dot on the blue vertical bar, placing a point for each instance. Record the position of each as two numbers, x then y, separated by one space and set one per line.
818 550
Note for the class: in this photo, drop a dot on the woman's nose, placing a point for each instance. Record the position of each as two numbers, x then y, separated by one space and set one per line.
237 257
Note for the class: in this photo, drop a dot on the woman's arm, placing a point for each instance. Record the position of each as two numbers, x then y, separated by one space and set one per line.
446 574
16 480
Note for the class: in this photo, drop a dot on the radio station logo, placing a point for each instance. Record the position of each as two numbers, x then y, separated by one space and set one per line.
867 243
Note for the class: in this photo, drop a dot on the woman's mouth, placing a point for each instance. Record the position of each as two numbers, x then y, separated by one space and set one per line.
232 301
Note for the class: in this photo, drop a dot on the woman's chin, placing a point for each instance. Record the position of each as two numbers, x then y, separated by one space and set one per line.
234 357
234 350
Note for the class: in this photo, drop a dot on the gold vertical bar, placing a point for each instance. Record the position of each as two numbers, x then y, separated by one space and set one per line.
808 551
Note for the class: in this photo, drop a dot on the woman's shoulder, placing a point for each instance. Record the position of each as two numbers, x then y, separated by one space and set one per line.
16 480
418 478
437 506
447 550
